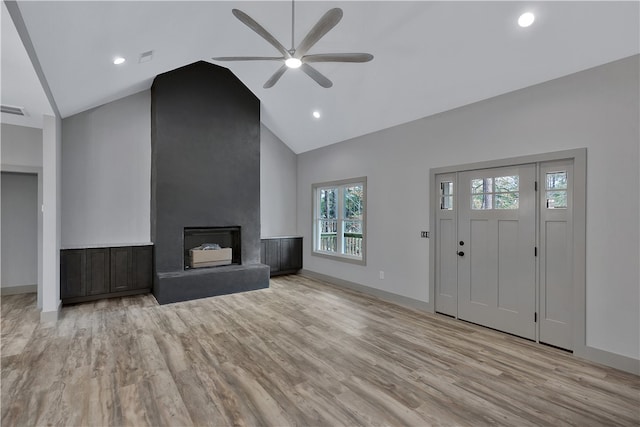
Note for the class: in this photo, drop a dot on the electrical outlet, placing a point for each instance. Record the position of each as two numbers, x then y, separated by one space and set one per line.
424 234
381 275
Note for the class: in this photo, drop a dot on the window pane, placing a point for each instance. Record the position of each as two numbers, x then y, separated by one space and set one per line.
556 180
353 202
446 203
507 183
446 188
481 185
557 199
353 238
506 200
328 235
328 203
481 201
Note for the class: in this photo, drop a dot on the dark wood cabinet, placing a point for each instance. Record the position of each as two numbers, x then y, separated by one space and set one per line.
94 273
97 271
72 273
121 268
282 254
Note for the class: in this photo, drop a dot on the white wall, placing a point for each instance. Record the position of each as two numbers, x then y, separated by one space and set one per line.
278 177
597 109
19 229
21 146
106 173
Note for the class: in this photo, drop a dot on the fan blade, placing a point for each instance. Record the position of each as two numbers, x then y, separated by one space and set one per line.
276 76
249 58
322 27
316 75
338 57
259 29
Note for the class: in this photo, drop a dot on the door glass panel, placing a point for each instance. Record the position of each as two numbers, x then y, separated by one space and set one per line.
506 184
557 180
481 185
446 195
557 199
507 200
556 194
481 201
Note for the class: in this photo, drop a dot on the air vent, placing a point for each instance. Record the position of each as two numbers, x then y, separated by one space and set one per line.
146 56
18 111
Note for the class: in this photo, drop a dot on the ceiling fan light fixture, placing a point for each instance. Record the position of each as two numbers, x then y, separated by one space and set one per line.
293 63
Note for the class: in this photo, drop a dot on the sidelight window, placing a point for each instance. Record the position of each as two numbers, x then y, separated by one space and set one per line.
339 219
556 190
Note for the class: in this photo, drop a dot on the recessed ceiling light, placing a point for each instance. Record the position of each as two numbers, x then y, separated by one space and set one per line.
293 63
118 60
526 19
316 114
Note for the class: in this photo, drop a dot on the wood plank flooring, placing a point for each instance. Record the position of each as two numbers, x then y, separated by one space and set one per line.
302 353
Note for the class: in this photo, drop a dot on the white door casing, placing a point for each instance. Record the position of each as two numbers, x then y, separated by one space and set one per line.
446 258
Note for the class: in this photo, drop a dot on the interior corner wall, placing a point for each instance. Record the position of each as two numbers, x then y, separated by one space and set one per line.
278 176
106 174
596 108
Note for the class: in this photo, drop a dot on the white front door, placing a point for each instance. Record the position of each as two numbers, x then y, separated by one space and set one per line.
496 248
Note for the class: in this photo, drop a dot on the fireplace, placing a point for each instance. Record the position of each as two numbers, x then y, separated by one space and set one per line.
224 237
205 184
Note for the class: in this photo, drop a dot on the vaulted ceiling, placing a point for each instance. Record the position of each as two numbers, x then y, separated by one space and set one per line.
429 56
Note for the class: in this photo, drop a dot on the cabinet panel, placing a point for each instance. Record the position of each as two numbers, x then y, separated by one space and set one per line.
272 255
97 271
142 267
72 273
290 254
121 260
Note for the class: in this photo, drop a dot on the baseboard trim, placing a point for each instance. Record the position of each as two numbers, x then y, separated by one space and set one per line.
17 290
384 295
591 354
51 316
613 360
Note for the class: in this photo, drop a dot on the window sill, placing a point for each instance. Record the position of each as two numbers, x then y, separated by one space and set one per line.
342 258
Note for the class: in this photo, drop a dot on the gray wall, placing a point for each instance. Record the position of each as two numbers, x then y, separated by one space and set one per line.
19 229
21 146
278 177
596 108
106 170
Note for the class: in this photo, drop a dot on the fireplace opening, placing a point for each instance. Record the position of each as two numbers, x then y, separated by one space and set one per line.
208 247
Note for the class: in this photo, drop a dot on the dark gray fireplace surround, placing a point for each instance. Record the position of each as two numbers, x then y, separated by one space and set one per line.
205 172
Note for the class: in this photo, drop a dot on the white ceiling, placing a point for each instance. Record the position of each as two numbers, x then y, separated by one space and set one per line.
429 56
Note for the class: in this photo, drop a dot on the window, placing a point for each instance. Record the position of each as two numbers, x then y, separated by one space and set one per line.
556 188
446 195
501 192
339 219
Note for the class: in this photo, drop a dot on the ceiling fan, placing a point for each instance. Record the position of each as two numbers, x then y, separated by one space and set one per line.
297 57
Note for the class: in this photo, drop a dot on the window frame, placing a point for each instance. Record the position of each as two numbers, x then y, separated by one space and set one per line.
340 219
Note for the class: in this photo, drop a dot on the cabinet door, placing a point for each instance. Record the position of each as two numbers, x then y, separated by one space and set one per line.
272 254
97 272
291 254
72 273
142 267
120 269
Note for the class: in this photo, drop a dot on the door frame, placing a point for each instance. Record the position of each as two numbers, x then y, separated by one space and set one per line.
579 157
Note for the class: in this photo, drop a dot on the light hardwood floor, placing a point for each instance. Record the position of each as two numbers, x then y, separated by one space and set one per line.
300 353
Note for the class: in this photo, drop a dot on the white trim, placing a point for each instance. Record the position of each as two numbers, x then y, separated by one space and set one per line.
19 289
51 316
613 360
411 303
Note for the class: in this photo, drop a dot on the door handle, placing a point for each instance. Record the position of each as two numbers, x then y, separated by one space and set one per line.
460 253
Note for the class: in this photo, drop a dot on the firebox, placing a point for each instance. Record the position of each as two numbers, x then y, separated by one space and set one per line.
218 237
